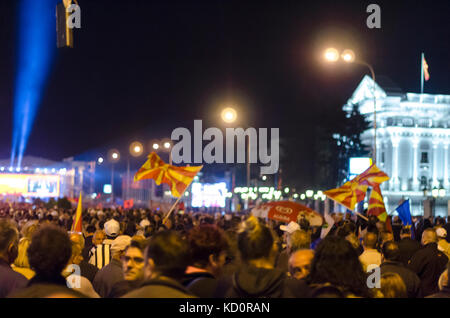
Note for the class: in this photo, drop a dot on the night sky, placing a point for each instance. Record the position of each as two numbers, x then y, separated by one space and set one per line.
139 69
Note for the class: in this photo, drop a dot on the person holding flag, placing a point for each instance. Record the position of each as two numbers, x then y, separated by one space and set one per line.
404 213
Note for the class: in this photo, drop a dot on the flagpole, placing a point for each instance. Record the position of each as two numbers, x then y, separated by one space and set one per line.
176 202
421 74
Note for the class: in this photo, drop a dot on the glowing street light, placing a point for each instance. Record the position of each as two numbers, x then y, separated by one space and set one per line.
348 56
229 115
155 146
167 145
309 193
100 160
331 55
136 149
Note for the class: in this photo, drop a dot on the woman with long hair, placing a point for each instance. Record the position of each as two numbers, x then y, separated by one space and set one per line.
336 264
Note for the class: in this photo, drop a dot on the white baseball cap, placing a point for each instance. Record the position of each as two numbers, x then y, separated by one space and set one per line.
290 228
112 228
441 232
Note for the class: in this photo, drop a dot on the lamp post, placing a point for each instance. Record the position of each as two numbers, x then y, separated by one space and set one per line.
136 149
348 56
114 156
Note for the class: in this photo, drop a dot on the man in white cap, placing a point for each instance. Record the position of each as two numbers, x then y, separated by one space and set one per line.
283 256
112 273
443 245
101 253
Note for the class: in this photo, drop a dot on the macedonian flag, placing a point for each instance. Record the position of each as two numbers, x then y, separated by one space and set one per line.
178 178
348 194
77 225
373 176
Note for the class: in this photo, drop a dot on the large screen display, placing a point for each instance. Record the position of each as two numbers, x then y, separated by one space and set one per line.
30 185
209 195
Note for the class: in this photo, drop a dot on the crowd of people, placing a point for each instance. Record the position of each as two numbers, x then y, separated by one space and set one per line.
134 253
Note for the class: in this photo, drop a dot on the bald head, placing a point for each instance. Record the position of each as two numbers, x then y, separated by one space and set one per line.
300 263
370 240
429 236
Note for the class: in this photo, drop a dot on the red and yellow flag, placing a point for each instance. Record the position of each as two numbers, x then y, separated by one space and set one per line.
348 194
77 225
373 176
178 178
426 75
377 207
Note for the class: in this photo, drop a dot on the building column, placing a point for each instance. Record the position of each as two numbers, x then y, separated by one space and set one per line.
446 183
395 181
435 163
415 183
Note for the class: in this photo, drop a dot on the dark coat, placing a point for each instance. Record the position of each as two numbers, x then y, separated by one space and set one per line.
407 247
88 270
429 263
41 287
255 282
10 280
411 280
160 288
201 284
107 277
444 293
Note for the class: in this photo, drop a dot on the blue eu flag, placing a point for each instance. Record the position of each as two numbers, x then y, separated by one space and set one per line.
404 213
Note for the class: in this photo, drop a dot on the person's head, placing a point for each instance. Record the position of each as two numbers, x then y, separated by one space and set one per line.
166 255
429 236
76 256
405 232
336 262
9 241
22 257
441 233
49 251
370 240
119 245
298 240
133 261
112 229
300 263
208 246
76 238
381 226
386 236
99 237
392 286
90 230
390 251
256 241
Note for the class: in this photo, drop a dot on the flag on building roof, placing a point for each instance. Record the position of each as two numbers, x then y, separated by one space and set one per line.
426 74
178 178
77 225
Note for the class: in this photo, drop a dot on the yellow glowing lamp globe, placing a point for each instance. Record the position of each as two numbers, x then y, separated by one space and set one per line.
331 55
229 115
348 56
136 149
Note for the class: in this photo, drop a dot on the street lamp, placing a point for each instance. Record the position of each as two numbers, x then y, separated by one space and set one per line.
136 149
100 160
229 115
348 56
113 156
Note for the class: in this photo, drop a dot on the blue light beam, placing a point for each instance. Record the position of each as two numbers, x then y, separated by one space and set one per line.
36 48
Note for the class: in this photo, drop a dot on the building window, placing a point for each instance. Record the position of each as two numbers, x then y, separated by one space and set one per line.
424 157
382 157
408 122
423 182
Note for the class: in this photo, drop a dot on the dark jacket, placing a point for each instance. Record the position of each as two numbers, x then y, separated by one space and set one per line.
41 287
160 288
10 280
429 263
200 284
88 270
407 247
107 277
411 280
444 293
254 282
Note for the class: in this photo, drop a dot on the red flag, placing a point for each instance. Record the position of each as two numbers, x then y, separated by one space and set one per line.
426 75
128 204
348 194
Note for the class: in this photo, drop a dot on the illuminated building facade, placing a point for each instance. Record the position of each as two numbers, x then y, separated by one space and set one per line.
413 136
